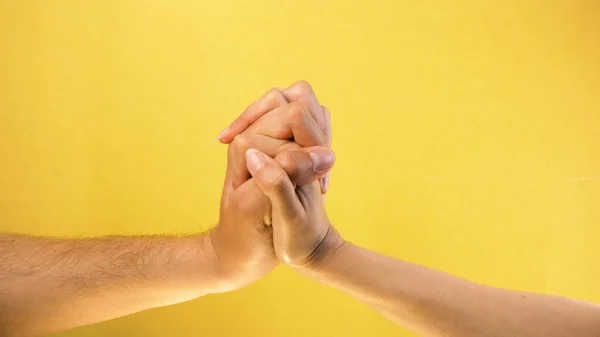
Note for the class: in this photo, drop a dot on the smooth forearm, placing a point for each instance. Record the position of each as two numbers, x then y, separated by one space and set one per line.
51 284
437 304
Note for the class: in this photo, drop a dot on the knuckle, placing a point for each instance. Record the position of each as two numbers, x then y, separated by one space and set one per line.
287 162
288 146
298 110
275 95
241 143
303 88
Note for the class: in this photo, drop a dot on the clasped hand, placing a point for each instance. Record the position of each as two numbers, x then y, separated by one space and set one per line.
272 206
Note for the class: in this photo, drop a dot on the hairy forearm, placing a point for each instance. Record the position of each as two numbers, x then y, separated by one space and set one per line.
437 304
49 284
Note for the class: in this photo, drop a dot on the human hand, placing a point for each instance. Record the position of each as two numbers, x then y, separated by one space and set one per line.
242 241
302 233
300 91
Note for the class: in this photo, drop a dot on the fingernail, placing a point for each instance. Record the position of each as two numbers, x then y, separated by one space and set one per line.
326 183
222 134
322 159
255 159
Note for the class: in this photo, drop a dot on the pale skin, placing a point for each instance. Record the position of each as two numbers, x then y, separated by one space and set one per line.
427 301
53 284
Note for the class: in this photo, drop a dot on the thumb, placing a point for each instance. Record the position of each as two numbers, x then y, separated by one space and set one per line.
276 185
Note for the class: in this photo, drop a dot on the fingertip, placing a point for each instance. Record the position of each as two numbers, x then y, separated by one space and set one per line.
236 127
328 132
226 136
255 160
324 182
322 158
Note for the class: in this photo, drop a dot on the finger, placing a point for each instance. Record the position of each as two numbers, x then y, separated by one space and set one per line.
276 185
237 172
328 132
292 121
325 180
273 99
302 91
303 166
306 165
325 184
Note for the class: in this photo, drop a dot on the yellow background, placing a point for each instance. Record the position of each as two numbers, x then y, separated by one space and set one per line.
467 136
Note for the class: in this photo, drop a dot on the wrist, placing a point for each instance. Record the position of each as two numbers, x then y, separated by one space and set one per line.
230 271
220 281
330 246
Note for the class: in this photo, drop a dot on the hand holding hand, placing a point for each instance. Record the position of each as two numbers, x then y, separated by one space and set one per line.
300 92
302 232
243 240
